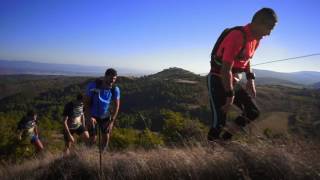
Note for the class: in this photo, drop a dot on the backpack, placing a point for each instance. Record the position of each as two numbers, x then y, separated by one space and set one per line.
99 82
70 111
25 123
217 61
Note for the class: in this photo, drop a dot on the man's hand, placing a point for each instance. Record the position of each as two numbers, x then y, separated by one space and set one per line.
228 104
251 88
92 123
71 138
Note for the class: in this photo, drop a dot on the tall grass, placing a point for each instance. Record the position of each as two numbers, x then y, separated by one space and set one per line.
233 160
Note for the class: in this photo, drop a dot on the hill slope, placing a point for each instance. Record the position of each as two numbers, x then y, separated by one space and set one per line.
230 161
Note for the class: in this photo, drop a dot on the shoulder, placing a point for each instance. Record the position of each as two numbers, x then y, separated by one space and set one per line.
91 85
116 88
116 92
69 104
235 34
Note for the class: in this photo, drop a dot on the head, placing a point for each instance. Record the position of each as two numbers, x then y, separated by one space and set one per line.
110 76
32 114
79 99
263 22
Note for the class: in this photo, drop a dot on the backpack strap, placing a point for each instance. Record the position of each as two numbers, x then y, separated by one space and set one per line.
98 83
22 123
244 41
221 38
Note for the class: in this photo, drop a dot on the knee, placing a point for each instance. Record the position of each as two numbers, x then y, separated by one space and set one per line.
86 135
253 114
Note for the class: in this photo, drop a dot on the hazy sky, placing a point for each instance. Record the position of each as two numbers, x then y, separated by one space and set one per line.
152 34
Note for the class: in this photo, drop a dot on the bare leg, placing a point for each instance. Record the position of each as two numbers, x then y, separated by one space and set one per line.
85 136
67 148
38 145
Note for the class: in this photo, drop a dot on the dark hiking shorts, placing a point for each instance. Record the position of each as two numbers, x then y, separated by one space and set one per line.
78 131
102 123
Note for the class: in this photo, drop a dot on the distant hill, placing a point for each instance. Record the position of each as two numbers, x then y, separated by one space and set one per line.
29 67
275 81
316 85
303 77
174 73
35 84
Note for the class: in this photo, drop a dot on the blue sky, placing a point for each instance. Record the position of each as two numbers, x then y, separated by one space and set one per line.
152 34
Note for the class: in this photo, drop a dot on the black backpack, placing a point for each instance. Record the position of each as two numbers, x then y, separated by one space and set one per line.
99 85
217 60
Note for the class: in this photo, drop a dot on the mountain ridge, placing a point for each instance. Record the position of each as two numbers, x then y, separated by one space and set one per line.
305 78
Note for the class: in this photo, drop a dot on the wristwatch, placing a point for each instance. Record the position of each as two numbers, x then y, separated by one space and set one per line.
230 93
250 75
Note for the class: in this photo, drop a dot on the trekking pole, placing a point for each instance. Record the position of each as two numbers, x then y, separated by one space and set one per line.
287 59
99 134
100 156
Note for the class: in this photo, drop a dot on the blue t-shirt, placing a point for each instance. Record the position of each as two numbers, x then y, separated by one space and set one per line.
101 99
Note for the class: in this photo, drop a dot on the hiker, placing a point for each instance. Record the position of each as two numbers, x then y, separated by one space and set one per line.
229 58
74 122
99 96
27 128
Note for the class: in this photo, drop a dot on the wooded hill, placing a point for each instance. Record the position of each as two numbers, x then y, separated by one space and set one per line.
169 101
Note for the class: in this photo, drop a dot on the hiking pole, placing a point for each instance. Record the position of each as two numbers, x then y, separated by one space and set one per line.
287 59
99 134
100 156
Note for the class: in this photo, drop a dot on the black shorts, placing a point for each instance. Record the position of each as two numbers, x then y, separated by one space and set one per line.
78 131
102 123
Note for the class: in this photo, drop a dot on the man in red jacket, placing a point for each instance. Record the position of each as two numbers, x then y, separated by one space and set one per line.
229 58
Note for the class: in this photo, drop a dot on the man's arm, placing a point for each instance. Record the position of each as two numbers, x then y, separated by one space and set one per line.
227 77
36 131
114 114
116 109
227 81
251 87
66 128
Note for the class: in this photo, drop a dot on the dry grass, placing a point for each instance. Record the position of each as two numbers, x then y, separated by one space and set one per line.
259 160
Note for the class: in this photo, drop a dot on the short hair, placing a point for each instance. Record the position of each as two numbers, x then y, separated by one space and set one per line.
31 112
110 72
80 97
265 14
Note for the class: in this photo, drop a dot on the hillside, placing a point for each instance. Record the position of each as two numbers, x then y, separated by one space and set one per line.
174 89
174 73
33 84
276 81
259 160
302 77
316 85
167 108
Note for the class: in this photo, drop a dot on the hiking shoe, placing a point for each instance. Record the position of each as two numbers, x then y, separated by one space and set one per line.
226 136
213 134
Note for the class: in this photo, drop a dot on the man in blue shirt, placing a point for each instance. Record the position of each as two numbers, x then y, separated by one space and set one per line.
99 96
